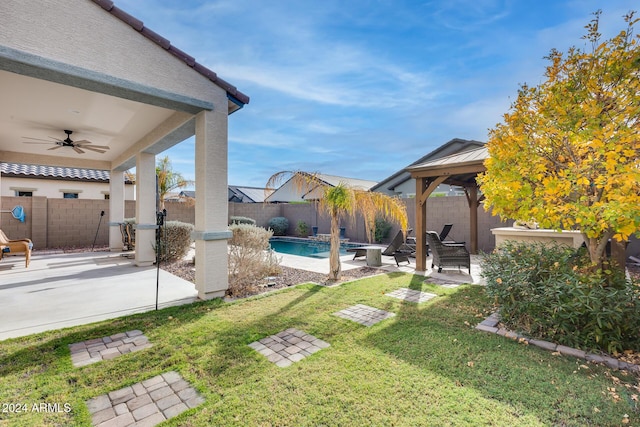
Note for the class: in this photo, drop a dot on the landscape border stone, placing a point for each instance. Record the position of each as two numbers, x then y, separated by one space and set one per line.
491 325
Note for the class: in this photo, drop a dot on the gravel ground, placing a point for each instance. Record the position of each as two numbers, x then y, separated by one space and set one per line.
288 277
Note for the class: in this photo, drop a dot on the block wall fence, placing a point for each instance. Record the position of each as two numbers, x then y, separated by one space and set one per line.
58 223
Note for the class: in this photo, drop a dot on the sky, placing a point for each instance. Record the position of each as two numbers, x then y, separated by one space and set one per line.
363 88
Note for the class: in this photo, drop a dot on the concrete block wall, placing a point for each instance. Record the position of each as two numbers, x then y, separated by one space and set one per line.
180 211
57 223
53 223
261 212
13 228
74 222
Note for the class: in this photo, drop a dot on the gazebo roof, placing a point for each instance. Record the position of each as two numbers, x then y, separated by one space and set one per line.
461 168
470 157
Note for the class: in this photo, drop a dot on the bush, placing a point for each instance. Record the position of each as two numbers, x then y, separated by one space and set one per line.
552 292
241 220
250 259
302 229
383 227
175 240
279 225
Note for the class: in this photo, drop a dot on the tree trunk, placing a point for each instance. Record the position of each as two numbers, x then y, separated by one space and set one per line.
334 251
597 247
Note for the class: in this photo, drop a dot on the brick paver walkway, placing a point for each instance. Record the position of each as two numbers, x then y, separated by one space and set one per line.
411 295
99 349
364 314
288 346
144 404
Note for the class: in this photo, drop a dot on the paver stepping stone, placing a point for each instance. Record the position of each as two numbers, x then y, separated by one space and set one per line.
364 314
99 349
146 403
411 295
288 346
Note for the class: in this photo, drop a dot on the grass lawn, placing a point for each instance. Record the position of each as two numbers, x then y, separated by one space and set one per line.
426 366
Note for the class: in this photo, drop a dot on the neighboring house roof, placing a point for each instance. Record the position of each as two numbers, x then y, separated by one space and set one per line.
233 93
456 145
19 170
246 194
237 194
334 180
283 193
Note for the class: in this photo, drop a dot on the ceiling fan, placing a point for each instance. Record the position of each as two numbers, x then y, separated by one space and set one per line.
78 146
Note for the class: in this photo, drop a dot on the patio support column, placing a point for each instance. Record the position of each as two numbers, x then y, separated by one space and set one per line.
116 209
145 209
211 228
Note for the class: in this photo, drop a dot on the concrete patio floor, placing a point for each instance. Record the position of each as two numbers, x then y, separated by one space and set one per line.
63 290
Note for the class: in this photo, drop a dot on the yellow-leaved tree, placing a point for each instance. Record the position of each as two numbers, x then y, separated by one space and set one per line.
341 201
568 152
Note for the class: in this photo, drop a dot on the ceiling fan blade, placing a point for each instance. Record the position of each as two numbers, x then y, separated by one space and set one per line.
82 141
55 148
35 139
92 148
102 147
77 150
38 142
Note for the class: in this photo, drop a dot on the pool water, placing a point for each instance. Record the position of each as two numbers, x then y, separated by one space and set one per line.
304 247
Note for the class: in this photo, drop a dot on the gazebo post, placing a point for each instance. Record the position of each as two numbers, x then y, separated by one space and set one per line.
423 191
421 225
472 199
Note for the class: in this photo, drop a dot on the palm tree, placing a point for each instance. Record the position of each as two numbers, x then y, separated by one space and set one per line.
344 201
168 179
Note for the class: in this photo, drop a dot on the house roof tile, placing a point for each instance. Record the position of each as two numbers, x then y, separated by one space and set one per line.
52 172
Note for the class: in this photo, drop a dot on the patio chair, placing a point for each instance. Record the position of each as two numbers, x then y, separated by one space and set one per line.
128 236
445 255
410 244
12 246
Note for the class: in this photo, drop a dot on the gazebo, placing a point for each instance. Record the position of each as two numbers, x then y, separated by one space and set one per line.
459 170
88 67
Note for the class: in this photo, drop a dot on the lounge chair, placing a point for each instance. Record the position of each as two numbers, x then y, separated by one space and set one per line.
394 250
445 255
12 246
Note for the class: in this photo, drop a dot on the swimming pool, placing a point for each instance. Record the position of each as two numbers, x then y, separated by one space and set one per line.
306 247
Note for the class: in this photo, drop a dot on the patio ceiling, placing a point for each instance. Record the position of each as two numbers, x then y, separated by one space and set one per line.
36 108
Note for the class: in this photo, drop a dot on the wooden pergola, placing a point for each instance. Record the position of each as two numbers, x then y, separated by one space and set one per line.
459 170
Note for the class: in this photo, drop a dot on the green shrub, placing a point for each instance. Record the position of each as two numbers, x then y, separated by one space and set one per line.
279 225
250 259
302 229
551 292
175 240
241 220
383 227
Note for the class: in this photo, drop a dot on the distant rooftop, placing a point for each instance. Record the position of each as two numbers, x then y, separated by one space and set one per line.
19 170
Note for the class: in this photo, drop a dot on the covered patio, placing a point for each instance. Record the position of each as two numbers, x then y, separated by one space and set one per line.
61 290
126 94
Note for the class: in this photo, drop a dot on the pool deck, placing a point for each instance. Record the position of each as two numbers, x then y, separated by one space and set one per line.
321 265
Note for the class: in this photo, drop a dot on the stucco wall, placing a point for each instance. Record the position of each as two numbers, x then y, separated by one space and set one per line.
51 188
72 31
